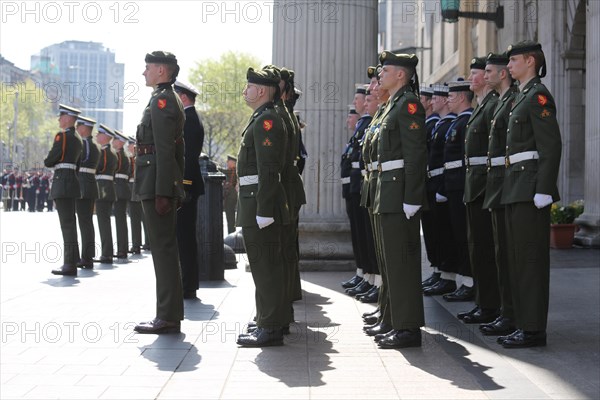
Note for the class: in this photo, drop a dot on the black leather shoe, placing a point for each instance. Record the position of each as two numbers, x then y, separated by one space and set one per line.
190 295
463 314
66 270
146 247
372 296
464 293
121 258
368 314
262 337
501 339
85 264
380 336
104 260
500 326
158 326
525 339
360 295
135 250
350 283
362 287
401 339
482 316
378 329
443 286
372 320
432 280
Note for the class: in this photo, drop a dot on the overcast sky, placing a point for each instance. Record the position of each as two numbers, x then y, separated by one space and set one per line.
193 30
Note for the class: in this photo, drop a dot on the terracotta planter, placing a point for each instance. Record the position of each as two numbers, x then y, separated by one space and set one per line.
561 235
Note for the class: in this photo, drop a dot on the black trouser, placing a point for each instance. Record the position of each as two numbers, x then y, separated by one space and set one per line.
481 254
85 211
437 234
501 254
165 256
230 204
135 216
68 226
120 207
263 247
187 243
368 239
356 224
103 211
528 243
458 223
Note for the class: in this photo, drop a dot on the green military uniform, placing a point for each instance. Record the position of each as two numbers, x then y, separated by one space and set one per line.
493 189
105 176
159 172
402 162
261 159
123 194
533 151
135 214
89 193
230 196
479 222
64 156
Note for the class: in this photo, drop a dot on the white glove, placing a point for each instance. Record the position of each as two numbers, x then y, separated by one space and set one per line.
410 210
440 199
263 222
542 200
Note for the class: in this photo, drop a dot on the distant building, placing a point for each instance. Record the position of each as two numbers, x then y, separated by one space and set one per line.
85 75
9 73
397 26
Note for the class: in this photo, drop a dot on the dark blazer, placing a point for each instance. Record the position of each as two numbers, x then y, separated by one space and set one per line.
193 134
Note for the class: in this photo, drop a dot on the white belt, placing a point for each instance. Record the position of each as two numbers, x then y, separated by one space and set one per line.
363 172
390 165
373 165
87 170
295 163
122 176
65 166
476 161
346 180
356 164
105 177
248 180
453 164
496 161
526 155
435 172
131 180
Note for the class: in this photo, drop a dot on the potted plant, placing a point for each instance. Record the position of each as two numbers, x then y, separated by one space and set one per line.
562 228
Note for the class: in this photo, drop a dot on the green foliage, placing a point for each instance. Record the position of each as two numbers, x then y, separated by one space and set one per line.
36 123
221 106
565 214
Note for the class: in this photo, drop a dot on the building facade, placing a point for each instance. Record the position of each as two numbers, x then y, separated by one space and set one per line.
85 75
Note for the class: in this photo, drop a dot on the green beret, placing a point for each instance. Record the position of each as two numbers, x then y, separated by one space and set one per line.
161 57
286 74
497 59
403 60
525 46
265 77
478 63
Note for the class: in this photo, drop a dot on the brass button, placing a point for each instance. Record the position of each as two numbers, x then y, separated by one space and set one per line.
522 168
251 193
490 137
510 113
394 178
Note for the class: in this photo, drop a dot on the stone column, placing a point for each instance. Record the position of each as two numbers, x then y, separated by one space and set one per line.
589 221
329 45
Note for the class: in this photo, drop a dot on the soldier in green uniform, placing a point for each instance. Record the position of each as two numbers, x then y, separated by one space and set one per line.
105 176
135 205
400 194
533 150
89 192
498 78
230 193
123 194
479 220
64 157
262 205
159 184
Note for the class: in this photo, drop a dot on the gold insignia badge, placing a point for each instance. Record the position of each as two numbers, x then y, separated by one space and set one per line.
414 126
545 113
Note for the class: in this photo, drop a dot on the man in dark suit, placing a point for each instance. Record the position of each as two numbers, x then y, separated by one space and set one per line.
89 192
159 170
64 157
533 151
193 134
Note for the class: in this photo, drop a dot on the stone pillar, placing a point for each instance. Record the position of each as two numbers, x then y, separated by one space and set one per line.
589 221
329 45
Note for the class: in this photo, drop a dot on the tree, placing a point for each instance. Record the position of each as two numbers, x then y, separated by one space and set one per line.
221 105
36 124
